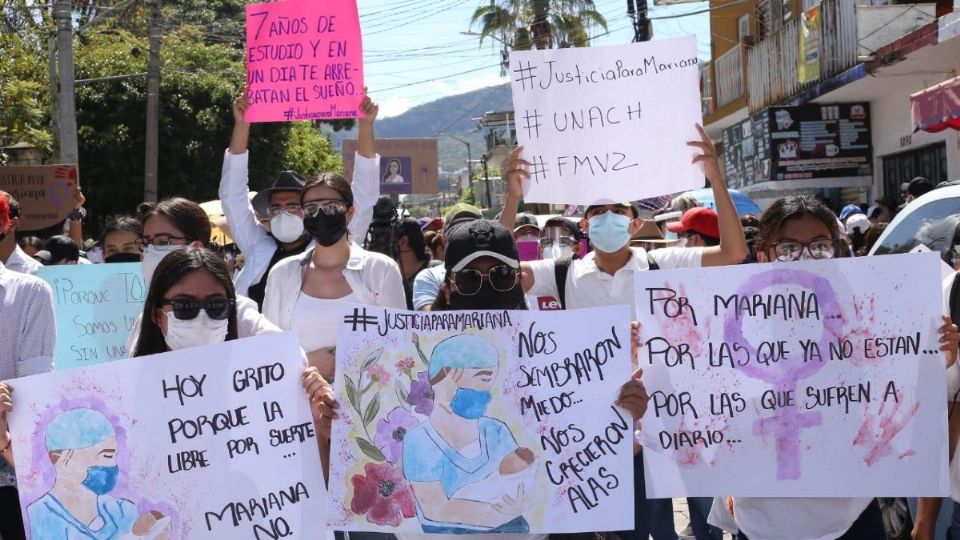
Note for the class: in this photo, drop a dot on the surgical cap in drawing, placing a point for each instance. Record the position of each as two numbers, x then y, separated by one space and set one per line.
78 428
462 352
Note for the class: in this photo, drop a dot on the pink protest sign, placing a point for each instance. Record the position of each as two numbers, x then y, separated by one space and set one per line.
304 60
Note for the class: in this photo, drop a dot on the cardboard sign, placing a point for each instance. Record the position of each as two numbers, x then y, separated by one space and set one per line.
45 193
406 165
482 421
96 307
211 442
608 124
806 379
304 60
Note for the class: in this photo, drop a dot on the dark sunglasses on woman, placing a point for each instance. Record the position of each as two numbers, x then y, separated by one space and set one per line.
187 309
502 278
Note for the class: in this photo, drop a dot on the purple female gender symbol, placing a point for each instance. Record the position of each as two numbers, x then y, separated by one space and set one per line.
786 424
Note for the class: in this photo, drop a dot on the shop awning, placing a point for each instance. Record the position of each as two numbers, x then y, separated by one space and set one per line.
938 107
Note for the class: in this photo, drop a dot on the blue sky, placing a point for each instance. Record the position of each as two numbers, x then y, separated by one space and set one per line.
414 51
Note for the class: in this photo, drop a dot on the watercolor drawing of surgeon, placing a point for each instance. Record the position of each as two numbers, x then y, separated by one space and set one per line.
467 471
82 445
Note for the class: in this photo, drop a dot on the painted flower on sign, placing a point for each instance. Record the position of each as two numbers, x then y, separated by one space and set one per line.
383 495
379 375
421 394
391 431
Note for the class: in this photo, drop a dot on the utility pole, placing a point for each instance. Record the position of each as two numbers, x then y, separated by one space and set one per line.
486 181
54 94
637 11
62 12
153 99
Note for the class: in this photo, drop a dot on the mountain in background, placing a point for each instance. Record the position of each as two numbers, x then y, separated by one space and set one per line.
453 115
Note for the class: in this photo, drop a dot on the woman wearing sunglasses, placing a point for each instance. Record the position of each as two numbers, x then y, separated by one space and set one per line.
796 228
304 293
171 226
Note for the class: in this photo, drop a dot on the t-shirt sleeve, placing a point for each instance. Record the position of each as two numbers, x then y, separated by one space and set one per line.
544 278
674 257
426 287
422 460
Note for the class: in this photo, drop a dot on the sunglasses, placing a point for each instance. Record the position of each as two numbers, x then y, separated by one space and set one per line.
502 278
187 309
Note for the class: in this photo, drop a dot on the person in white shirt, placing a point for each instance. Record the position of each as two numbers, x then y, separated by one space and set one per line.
605 277
281 203
14 258
28 334
304 293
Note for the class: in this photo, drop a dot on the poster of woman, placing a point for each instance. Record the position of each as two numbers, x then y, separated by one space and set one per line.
396 175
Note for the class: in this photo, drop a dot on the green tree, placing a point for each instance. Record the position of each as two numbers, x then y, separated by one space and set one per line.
468 196
537 24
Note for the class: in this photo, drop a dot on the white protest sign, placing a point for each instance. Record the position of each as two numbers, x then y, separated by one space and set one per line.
482 421
210 442
608 123
806 379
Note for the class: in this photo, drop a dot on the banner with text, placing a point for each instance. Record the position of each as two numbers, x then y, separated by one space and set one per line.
210 442
482 421
608 123
304 60
406 165
806 379
96 307
45 193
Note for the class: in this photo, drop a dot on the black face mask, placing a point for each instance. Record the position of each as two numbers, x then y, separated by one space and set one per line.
488 298
122 258
326 229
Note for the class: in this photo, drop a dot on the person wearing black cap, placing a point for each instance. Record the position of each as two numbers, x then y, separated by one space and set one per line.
427 284
916 188
281 202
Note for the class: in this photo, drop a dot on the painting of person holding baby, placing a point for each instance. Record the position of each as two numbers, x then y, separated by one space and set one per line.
467 471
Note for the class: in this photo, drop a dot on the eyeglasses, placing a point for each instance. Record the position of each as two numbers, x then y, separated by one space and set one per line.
818 249
187 309
327 206
292 208
502 278
162 240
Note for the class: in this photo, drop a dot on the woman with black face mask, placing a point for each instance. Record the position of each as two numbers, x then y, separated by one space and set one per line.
304 293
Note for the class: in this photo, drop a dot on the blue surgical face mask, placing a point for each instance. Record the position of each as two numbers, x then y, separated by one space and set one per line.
101 480
470 404
609 232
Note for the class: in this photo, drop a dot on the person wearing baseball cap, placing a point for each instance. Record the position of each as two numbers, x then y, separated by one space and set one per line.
426 286
482 269
698 227
526 233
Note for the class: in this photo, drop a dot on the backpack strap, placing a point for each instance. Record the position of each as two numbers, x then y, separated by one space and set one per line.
560 270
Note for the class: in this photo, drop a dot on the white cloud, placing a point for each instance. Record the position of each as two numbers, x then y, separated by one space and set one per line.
463 85
394 106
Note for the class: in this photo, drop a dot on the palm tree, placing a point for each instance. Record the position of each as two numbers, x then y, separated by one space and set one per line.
537 24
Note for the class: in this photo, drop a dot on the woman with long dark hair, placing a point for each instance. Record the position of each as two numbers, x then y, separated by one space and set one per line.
119 240
191 302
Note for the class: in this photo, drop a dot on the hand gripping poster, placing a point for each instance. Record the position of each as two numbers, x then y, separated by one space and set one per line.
484 421
211 442
801 379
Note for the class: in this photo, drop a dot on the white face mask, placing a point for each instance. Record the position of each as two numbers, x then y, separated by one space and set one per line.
286 227
152 256
201 330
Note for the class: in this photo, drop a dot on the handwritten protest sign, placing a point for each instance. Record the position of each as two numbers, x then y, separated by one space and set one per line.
406 165
807 379
304 60
96 307
608 123
210 442
481 421
45 193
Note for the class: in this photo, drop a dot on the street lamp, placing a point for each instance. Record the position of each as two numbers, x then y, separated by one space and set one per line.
486 181
469 155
